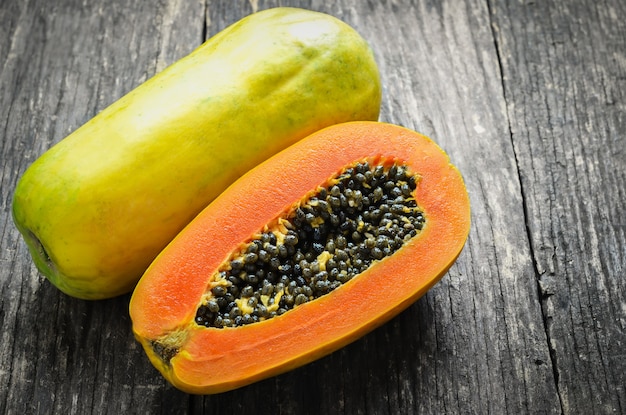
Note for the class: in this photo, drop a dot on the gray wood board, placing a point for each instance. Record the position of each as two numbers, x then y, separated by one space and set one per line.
528 100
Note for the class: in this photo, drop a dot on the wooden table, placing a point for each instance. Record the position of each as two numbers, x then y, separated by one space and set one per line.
529 100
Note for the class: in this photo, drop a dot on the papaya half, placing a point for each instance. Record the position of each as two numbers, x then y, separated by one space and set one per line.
306 252
97 207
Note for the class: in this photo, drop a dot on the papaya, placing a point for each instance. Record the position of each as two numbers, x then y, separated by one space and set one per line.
97 207
303 254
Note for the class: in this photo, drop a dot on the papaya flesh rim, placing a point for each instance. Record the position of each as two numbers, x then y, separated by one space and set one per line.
212 360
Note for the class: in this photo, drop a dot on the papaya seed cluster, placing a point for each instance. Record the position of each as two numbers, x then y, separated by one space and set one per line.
364 214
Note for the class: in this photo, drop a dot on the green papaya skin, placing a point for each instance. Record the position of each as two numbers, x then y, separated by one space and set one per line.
99 206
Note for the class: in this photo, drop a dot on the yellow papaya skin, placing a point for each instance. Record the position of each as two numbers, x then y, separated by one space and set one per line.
98 207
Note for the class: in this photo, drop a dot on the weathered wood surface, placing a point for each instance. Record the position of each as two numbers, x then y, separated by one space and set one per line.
528 97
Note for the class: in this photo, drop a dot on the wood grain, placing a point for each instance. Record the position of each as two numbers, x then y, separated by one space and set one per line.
565 77
527 98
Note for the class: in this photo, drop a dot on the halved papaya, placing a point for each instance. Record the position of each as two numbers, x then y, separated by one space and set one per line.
305 253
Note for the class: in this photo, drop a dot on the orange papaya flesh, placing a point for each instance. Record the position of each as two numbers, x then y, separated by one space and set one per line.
181 309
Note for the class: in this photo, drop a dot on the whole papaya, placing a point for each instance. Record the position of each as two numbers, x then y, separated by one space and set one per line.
98 207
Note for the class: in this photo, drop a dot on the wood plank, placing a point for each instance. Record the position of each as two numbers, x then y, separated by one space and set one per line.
490 348
62 62
564 68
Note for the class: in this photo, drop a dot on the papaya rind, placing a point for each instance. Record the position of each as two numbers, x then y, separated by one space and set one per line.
97 208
